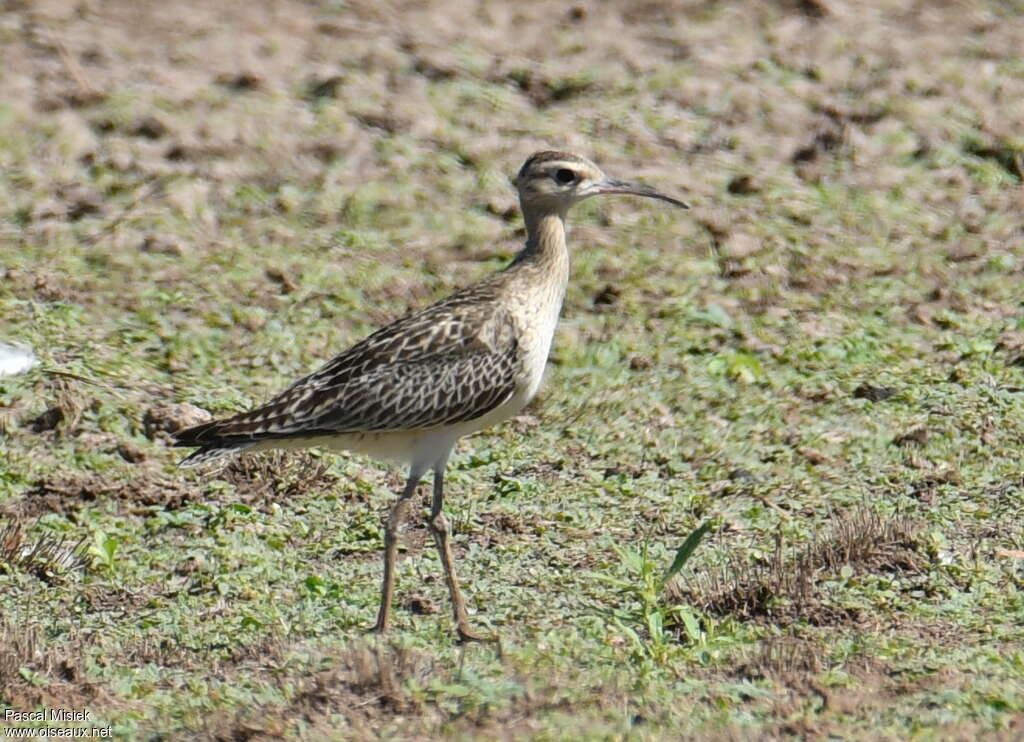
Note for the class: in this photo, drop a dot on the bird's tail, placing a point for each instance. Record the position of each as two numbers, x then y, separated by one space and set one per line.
209 438
208 454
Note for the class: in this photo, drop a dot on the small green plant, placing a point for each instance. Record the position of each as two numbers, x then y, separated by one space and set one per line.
104 548
648 622
737 365
318 587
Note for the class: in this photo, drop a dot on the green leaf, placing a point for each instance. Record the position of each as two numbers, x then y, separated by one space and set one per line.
104 548
316 585
684 552
655 625
713 315
737 365
249 622
612 581
31 676
690 623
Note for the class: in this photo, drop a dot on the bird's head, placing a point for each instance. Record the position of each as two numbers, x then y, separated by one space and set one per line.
554 181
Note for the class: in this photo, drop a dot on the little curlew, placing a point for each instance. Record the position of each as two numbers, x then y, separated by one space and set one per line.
409 391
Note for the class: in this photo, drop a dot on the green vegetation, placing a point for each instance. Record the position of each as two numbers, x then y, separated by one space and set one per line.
822 360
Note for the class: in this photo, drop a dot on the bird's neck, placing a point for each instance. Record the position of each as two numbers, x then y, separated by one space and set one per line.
537 280
545 249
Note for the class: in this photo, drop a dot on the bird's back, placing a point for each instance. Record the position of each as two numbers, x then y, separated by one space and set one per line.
447 364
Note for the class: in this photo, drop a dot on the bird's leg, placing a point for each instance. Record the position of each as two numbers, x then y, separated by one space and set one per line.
439 526
395 520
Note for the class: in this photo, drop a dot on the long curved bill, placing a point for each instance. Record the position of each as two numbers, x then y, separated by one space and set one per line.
611 185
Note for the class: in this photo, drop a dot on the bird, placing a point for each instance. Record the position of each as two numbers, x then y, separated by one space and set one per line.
410 390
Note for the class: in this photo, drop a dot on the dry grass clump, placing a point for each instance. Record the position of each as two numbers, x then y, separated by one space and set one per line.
34 672
786 656
278 474
48 557
788 587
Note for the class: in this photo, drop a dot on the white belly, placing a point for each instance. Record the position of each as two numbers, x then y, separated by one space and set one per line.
401 446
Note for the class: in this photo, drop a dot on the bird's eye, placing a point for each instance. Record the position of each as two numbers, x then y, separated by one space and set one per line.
565 176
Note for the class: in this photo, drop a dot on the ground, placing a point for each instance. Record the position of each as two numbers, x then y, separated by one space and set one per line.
823 359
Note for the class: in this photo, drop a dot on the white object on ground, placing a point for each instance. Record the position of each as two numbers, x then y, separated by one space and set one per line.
16 359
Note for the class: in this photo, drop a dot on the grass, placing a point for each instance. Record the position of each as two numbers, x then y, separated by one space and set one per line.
822 360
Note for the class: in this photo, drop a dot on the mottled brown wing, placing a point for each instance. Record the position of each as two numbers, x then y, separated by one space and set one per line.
451 362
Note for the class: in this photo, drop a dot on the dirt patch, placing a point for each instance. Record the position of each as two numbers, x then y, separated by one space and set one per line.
35 673
258 479
259 656
170 418
43 286
69 492
371 688
509 523
66 402
367 687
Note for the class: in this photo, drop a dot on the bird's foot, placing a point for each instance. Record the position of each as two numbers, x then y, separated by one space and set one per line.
467 634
